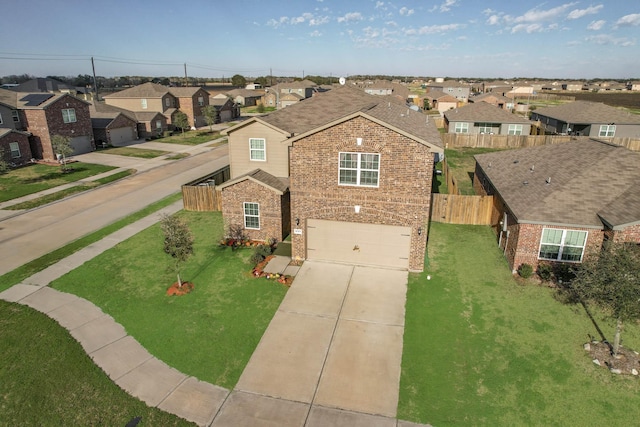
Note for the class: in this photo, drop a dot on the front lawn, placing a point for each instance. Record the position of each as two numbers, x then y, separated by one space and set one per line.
192 137
209 333
31 179
46 379
143 153
480 349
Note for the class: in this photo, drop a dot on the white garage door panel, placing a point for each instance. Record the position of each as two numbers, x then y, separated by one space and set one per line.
355 243
121 135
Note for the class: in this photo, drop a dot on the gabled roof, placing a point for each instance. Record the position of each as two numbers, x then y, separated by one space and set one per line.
440 96
43 85
7 131
9 98
184 92
145 90
147 116
301 84
246 93
488 95
39 100
585 112
219 102
483 112
100 123
332 106
279 185
582 190
100 110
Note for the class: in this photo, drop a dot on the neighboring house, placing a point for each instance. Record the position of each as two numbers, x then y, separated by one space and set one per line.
44 115
441 101
556 202
460 91
226 108
573 86
586 118
635 86
385 87
483 118
112 125
287 99
14 146
163 99
151 124
246 97
285 94
347 174
53 86
494 99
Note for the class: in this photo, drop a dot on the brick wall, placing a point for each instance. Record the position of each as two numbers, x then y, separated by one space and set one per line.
23 144
629 234
403 195
271 209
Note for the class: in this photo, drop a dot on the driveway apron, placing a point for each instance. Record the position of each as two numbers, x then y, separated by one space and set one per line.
335 342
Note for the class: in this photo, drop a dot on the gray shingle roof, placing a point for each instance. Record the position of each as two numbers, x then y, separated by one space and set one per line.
589 180
483 112
585 112
145 90
9 98
258 175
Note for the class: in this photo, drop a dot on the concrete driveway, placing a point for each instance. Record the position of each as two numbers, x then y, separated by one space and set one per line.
335 343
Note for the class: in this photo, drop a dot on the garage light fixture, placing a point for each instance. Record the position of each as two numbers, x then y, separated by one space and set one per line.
357 208
297 221
419 231
359 141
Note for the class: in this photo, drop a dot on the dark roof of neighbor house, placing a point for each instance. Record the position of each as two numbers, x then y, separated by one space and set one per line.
589 182
184 92
39 100
147 116
145 90
261 177
219 102
483 97
7 131
100 110
483 112
100 123
41 84
585 112
9 98
440 96
335 104
245 93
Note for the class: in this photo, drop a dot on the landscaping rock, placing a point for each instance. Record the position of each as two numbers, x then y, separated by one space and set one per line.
587 347
634 372
597 362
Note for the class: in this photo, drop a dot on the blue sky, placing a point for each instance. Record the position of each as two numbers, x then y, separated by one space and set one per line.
456 38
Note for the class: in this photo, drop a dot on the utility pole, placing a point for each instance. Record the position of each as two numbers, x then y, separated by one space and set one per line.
271 76
95 81
186 79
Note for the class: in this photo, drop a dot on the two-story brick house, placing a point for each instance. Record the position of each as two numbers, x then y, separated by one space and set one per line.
44 115
346 173
152 97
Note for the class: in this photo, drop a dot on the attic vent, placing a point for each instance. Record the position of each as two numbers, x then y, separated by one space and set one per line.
525 182
516 161
533 167
548 181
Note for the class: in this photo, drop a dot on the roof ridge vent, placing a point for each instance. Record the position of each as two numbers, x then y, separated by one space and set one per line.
548 180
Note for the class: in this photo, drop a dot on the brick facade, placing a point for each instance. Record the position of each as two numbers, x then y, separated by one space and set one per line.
45 122
274 209
629 234
23 144
402 198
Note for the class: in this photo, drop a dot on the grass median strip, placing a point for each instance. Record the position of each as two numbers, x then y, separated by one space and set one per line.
480 349
58 195
19 274
209 333
143 153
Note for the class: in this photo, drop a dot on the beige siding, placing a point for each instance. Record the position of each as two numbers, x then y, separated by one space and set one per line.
135 104
277 151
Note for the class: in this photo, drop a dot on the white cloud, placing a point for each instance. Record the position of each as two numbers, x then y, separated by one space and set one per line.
278 22
493 20
391 23
607 39
433 29
305 17
632 20
446 6
528 28
316 33
351 17
320 20
579 13
537 15
380 4
596 25
406 12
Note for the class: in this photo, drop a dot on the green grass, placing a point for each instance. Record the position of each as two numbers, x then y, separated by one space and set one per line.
34 178
46 379
209 333
480 349
463 166
177 156
58 195
143 153
192 137
19 274
254 109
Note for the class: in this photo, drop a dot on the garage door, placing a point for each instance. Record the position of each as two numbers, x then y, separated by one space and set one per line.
356 243
121 135
225 116
81 145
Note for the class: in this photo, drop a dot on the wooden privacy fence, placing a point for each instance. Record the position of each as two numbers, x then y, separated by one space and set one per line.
456 140
203 194
458 209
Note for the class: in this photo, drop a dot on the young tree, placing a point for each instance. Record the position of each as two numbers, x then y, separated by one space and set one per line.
181 120
610 279
4 165
238 81
178 241
210 115
62 146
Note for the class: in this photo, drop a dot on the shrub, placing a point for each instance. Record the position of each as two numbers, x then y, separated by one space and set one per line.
260 253
525 270
545 271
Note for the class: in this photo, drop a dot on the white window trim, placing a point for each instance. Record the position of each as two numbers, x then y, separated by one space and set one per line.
167 102
461 127
562 245
200 101
605 130
66 115
515 129
14 147
263 150
159 124
245 216
15 115
359 170
0 118
143 103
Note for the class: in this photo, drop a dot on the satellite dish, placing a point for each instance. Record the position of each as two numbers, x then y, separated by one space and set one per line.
342 80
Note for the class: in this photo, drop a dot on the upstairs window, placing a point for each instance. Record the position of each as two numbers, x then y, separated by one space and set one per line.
258 149
69 115
143 103
359 169
15 115
167 102
562 245
252 215
607 130
200 101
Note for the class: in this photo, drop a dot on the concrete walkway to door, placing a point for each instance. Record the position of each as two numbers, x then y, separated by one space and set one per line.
333 351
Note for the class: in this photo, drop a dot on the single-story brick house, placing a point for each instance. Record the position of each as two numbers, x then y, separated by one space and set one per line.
348 175
555 203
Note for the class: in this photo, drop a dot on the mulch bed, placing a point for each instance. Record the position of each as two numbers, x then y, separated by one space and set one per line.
626 363
178 290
